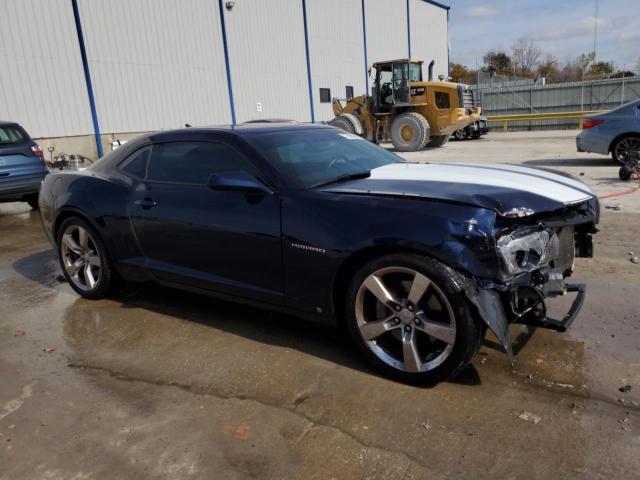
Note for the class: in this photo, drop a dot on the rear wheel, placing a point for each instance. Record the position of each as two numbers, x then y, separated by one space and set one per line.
409 320
439 141
84 259
622 147
409 132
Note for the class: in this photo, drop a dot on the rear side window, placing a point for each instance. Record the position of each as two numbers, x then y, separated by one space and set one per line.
136 165
10 135
442 100
194 162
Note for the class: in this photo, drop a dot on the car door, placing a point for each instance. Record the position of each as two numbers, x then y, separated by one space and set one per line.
227 241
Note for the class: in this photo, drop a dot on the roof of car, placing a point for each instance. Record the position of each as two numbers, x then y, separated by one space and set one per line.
8 122
243 129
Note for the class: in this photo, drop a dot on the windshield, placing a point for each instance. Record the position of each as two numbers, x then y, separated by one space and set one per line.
312 157
415 72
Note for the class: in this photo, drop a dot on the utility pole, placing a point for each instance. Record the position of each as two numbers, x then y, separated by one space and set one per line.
595 32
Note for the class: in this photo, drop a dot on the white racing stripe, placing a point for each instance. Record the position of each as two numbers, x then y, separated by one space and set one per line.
538 182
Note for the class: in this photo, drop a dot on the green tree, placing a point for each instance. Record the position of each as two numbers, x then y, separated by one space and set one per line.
461 74
496 62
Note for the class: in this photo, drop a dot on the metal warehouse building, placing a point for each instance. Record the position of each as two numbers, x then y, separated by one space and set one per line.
81 73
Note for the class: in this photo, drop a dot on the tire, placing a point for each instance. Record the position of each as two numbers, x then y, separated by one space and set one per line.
624 173
409 132
621 147
344 124
32 200
94 278
439 141
460 134
429 359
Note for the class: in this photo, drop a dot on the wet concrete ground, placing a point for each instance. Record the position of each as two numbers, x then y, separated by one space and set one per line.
164 384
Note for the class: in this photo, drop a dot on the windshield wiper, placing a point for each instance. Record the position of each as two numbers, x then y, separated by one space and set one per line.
343 178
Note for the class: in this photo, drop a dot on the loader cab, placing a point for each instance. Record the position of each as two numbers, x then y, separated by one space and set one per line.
392 85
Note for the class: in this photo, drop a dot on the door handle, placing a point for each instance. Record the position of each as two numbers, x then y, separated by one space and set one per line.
146 203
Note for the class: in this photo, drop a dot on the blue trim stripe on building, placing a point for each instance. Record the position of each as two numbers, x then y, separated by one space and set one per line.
306 47
87 77
366 61
226 63
408 30
438 4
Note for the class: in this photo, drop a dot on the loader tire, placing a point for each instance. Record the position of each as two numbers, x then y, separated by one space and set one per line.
344 124
409 132
439 141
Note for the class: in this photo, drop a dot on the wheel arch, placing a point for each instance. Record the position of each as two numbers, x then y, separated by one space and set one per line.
351 265
69 212
620 137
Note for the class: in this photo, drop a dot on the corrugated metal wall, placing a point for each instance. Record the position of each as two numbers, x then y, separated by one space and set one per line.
429 36
387 37
158 64
155 64
41 80
268 59
336 49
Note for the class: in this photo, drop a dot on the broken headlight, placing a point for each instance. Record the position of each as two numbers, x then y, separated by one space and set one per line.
526 250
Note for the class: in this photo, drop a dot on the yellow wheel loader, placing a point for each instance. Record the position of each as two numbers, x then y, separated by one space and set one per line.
411 113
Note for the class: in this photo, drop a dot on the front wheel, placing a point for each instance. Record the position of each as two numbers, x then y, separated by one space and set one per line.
409 132
84 259
409 320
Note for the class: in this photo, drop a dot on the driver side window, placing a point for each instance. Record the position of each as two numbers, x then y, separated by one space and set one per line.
194 162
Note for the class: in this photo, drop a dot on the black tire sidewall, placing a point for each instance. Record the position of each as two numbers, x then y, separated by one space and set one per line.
468 327
105 282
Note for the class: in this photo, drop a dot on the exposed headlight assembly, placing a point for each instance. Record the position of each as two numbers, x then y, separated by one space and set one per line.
526 250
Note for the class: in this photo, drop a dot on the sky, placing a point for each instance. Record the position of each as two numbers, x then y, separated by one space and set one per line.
563 28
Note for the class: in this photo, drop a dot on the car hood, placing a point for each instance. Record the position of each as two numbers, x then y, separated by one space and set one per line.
507 189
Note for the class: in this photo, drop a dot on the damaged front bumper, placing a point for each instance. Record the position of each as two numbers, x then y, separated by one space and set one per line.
520 298
491 309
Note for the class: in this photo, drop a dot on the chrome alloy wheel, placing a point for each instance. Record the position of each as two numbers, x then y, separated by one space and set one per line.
624 148
405 319
80 257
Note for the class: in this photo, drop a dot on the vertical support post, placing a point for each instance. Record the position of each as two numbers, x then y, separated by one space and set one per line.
226 62
87 77
366 61
306 47
505 125
409 31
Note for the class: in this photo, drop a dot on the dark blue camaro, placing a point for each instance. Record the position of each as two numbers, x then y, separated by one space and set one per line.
416 259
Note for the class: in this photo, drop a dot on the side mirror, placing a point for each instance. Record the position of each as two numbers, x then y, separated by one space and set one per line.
238 181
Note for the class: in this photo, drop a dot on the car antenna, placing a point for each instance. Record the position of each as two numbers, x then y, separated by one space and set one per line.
187 125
